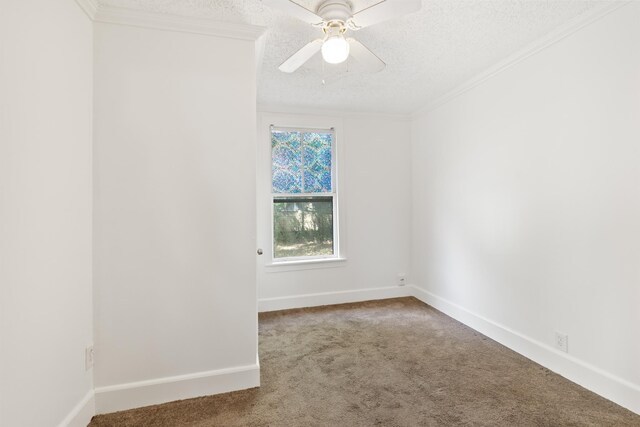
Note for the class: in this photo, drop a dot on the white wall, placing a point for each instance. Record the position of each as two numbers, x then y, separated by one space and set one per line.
175 289
45 211
526 198
374 185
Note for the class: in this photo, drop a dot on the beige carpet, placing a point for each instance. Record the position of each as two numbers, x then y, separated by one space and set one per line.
386 363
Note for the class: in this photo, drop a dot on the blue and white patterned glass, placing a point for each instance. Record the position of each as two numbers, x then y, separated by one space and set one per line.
286 161
317 162
301 162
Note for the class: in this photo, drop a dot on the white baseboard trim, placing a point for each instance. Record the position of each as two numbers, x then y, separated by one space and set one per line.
161 390
82 413
607 385
328 298
143 393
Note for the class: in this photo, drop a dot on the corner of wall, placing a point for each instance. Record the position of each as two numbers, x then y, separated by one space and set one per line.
89 7
82 413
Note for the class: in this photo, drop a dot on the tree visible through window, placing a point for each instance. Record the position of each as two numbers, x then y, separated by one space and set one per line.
303 193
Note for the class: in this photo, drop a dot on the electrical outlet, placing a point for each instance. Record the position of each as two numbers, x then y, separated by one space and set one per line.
88 358
402 279
562 342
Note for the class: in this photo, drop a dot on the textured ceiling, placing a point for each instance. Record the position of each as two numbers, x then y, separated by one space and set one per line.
428 53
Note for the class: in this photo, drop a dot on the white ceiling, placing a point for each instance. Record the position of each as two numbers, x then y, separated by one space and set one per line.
428 53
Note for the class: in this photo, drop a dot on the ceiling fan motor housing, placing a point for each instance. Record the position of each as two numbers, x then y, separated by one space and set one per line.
335 10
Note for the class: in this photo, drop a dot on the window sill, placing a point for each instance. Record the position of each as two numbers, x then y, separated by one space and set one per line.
311 264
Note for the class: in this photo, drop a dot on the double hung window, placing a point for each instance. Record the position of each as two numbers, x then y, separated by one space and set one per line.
303 193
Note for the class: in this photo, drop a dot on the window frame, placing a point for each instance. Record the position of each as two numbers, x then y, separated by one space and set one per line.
336 256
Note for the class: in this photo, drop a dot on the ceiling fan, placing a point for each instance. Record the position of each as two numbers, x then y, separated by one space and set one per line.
335 18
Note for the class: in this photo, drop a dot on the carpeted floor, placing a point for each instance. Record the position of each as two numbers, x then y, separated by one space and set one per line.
385 363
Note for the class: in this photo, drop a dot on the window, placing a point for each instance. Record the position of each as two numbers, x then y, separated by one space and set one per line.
303 193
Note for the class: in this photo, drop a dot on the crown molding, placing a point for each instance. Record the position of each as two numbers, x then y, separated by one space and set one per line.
194 25
319 111
90 7
533 48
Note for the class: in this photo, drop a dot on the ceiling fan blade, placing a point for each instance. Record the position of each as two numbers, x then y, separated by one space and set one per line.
295 10
301 56
383 11
364 56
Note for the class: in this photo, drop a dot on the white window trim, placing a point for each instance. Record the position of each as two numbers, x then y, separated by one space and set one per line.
265 196
311 264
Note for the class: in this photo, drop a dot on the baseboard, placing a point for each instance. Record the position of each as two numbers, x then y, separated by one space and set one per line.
82 413
607 385
328 298
152 392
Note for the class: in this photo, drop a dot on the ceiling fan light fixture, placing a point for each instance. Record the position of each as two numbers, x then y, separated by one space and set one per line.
335 49
335 18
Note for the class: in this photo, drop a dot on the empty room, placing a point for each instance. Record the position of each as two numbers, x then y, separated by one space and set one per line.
319 213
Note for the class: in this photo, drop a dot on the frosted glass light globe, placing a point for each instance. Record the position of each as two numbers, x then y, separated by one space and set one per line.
335 50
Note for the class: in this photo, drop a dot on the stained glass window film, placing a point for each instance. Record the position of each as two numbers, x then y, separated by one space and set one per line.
286 161
301 162
316 148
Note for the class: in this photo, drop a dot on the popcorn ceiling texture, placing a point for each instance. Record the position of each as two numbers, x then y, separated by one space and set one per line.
428 53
